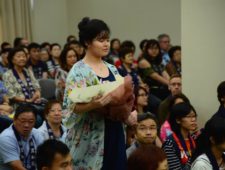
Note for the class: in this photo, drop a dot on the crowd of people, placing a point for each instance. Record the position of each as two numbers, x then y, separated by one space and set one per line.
146 123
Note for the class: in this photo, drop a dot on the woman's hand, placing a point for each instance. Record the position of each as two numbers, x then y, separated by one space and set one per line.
100 101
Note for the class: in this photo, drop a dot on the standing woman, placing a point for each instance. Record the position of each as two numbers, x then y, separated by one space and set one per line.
96 142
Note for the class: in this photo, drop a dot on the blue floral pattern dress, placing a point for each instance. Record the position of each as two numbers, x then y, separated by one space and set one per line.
86 134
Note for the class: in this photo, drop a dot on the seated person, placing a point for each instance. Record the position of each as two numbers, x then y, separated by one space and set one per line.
4 61
147 158
209 153
19 141
52 127
5 108
145 133
35 64
180 145
221 98
53 155
174 65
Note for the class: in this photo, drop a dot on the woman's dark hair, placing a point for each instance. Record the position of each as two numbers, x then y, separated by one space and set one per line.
136 93
146 158
12 54
128 44
143 44
150 44
179 111
49 105
124 51
70 38
221 92
44 44
214 130
173 50
17 42
62 58
178 96
89 29
112 42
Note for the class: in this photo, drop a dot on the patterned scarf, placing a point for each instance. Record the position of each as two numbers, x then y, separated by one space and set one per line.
50 132
28 90
31 157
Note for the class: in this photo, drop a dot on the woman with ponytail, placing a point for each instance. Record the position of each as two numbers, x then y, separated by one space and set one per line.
209 153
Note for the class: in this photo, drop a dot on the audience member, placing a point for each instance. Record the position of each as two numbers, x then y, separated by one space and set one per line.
152 71
164 42
44 55
52 127
165 129
142 46
19 41
221 98
145 132
19 142
5 45
174 65
53 155
179 146
39 68
175 87
70 38
210 146
141 99
4 61
67 59
113 55
53 63
147 158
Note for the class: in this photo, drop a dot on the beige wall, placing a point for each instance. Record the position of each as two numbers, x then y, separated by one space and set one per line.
50 21
203 43
130 19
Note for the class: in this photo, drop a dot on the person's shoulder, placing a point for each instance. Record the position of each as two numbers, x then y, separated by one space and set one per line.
201 162
7 135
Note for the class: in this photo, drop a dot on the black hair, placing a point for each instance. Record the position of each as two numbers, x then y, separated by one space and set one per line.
143 43
221 92
89 29
112 42
22 108
75 42
46 152
214 130
17 41
53 45
33 45
44 44
124 51
68 39
128 44
179 111
172 50
12 54
62 58
153 43
145 116
3 45
178 96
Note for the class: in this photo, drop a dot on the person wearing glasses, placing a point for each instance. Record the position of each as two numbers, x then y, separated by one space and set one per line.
180 145
145 132
19 141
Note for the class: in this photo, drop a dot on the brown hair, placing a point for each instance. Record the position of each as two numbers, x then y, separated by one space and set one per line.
146 158
49 105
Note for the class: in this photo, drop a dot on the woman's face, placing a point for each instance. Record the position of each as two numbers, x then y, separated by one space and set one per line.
128 58
116 45
55 114
177 56
71 58
142 98
99 47
55 52
163 165
189 122
153 51
19 59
